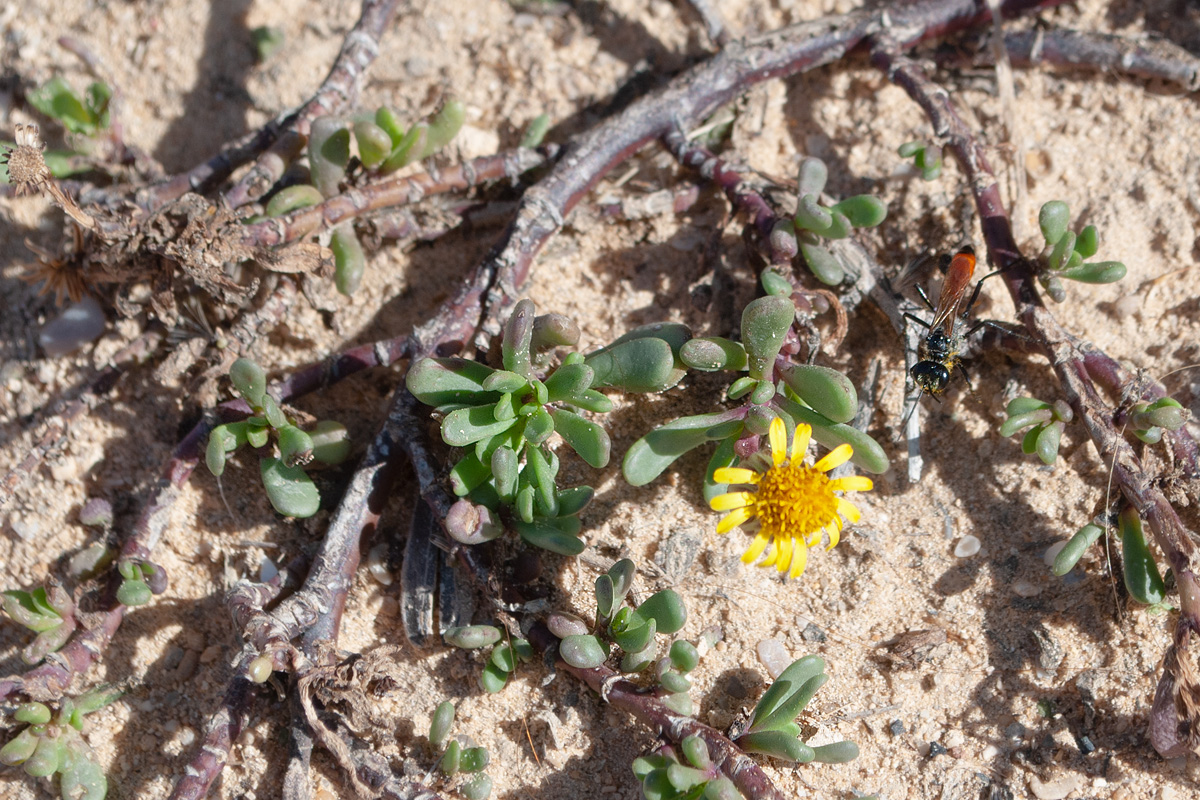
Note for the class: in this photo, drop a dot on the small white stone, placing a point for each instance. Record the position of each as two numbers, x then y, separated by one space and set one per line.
377 564
77 325
967 546
1024 588
774 656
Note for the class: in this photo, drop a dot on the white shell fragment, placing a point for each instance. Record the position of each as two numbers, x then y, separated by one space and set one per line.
967 546
773 656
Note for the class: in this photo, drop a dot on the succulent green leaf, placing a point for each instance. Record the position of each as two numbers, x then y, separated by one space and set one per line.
349 260
910 149
723 456
450 759
1096 272
474 759
1047 443
1069 556
1023 405
258 435
32 713
19 749
295 446
644 765
827 391
863 210
492 679
31 610
685 778
293 198
476 787
386 118
57 100
812 176
777 744
406 150
538 426
560 535
868 454
97 698
765 324
1029 441
1020 421
638 661
835 753
811 216
1142 578
674 683
374 143
774 283
840 228
658 449
46 758
696 752
789 682
543 482
1167 413
1062 251
591 400
606 597
248 380
584 436
556 330
1088 242
635 634
503 657
568 382
741 387
637 365
785 713
444 127
822 264
289 489
328 153
666 608
220 442
582 651
505 382
1053 219
536 130
572 501
80 778
684 656
472 637
714 353
518 336
468 473
505 469
330 442
465 426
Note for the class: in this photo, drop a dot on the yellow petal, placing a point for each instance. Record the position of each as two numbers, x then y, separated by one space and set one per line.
852 483
835 532
799 560
769 561
800 442
733 519
848 510
785 552
756 547
737 475
834 458
778 437
724 502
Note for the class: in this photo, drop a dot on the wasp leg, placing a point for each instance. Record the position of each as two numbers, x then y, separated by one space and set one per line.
916 319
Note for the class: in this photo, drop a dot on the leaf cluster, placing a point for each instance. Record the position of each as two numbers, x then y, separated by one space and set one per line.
505 657
505 417
815 221
383 145
283 447
773 730
666 776
926 157
1045 423
773 386
53 744
48 612
1065 251
1149 420
87 115
459 758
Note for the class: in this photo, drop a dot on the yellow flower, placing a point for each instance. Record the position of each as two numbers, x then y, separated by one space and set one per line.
794 502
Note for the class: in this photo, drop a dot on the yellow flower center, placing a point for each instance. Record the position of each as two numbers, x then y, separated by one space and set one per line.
795 499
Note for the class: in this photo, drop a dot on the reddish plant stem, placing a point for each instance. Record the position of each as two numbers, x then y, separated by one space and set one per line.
338 92
744 197
746 775
1069 362
1140 57
388 193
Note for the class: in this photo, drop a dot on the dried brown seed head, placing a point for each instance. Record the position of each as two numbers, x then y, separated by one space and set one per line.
27 169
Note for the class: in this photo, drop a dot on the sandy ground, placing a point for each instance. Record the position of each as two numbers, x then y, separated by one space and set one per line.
1120 152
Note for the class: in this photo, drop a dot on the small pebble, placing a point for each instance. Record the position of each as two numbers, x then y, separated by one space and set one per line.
773 656
210 654
267 570
1015 731
1056 789
1024 588
77 325
26 529
187 737
377 564
936 749
967 546
896 727
1127 306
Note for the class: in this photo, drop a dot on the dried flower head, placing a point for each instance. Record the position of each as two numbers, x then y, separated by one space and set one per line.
794 503
27 169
